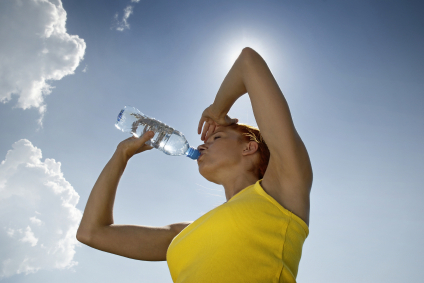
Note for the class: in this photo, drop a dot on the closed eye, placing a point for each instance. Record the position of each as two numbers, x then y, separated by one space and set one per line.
216 137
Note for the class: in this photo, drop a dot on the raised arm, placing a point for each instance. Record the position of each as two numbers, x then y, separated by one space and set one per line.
289 174
97 228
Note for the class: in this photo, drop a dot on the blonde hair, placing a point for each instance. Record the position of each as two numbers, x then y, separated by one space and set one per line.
250 133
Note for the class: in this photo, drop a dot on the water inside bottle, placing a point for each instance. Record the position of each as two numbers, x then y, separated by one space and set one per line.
166 138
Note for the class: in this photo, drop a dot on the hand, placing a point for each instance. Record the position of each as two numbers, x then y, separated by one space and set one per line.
133 145
212 120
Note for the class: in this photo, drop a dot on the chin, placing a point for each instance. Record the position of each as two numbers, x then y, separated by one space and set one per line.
207 176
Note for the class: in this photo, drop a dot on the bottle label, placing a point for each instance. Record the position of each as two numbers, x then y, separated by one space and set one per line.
120 115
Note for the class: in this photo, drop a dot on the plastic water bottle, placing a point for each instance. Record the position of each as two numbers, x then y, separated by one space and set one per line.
166 138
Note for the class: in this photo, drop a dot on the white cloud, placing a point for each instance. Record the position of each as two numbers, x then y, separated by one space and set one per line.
38 217
29 237
121 25
35 220
35 48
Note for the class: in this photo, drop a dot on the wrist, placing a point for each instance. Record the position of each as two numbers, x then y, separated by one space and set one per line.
120 156
217 111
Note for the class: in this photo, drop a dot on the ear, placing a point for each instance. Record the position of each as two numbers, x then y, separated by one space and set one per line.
250 148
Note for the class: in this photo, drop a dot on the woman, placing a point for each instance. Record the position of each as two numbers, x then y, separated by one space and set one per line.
258 234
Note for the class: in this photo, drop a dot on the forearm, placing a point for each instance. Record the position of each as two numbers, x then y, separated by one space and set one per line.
99 209
231 88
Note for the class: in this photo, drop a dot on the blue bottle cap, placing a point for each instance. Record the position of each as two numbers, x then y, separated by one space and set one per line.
193 153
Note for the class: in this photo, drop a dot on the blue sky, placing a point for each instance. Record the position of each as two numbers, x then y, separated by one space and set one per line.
351 71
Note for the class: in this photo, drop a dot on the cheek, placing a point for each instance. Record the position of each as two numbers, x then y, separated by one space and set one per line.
227 155
222 154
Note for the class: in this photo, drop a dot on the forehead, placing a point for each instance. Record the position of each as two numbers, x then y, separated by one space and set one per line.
226 130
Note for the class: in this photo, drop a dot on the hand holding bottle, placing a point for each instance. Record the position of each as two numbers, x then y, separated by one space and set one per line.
166 139
212 120
133 145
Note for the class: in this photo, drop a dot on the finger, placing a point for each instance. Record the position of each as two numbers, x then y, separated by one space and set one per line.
148 135
230 121
205 128
141 141
211 130
145 137
199 128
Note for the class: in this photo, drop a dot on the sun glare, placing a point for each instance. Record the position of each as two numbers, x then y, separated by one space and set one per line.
235 46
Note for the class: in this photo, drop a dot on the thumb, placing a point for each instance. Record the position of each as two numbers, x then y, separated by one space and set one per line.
229 120
140 145
147 136
144 138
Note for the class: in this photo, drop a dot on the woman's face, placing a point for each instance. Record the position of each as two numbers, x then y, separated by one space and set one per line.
220 154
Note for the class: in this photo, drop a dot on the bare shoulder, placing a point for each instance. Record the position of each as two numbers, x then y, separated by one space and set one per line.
178 227
292 192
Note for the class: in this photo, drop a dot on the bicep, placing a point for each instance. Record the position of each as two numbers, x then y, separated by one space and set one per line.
133 241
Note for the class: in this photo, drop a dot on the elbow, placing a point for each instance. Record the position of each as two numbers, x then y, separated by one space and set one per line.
83 236
248 53
250 57
248 50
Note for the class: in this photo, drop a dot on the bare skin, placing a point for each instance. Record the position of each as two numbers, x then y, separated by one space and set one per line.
225 160
97 228
288 178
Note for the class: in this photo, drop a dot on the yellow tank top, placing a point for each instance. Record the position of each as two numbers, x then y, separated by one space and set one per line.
251 238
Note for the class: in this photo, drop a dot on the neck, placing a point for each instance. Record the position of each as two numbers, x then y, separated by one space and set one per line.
234 185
